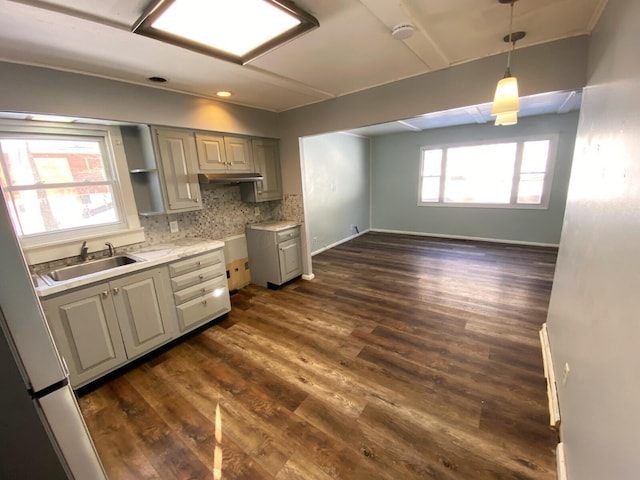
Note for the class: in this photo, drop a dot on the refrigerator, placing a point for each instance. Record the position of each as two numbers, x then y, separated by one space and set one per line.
42 432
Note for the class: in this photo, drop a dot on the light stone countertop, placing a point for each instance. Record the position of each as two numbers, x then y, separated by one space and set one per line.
152 257
274 226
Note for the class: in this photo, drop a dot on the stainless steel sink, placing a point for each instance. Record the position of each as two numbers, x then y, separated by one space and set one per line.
86 268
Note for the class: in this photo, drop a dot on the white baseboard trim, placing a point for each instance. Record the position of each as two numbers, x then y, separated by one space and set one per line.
561 462
549 373
344 240
464 237
310 276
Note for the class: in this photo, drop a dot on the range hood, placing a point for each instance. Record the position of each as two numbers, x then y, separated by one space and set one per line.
229 177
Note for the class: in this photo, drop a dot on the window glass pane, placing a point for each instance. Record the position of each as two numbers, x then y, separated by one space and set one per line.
52 209
431 163
430 189
530 188
534 156
50 161
480 174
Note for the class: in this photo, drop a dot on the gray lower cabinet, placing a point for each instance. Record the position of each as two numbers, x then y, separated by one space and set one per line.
200 289
275 254
101 327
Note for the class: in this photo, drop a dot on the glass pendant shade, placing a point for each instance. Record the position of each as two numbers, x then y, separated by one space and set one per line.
506 98
510 118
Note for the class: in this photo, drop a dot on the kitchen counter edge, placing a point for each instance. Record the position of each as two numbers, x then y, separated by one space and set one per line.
153 256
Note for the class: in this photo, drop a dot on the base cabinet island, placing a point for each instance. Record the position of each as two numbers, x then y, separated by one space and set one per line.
102 321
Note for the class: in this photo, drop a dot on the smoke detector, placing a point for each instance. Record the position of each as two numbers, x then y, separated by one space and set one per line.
402 31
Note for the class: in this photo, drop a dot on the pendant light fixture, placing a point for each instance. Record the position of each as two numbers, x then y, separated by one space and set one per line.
506 103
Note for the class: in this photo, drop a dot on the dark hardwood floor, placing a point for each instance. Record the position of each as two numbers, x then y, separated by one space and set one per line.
405 358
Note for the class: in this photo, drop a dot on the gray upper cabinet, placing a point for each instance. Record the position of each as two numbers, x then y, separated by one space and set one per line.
223 154
211 153
266 160
164 164
178 157
163 169
238 154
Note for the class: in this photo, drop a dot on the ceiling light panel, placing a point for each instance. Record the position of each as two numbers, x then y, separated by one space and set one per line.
235 30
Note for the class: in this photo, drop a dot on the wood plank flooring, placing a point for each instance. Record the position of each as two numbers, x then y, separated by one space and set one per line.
405 358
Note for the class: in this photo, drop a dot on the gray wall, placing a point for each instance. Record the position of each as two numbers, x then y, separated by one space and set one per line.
43 90
594 322
395 170
549 67
554 66
336 187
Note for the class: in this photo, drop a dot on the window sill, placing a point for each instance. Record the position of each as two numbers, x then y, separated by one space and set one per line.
56 250
509 206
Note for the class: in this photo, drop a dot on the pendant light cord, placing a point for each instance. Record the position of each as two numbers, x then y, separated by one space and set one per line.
507 73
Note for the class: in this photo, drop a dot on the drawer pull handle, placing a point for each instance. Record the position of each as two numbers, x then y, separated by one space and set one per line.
105 294
201 277
203 290
199 263
116 290
204 302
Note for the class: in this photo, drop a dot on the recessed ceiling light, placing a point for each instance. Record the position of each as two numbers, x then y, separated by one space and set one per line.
236 30
224 93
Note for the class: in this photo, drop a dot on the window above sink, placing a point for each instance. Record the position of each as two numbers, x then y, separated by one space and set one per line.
64 183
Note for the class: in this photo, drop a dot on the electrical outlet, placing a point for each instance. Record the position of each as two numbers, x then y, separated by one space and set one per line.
173 226
565 373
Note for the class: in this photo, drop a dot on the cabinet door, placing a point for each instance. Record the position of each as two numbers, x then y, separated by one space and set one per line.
85 329
238 151
178 156
211 153
290 256
266 160
143 315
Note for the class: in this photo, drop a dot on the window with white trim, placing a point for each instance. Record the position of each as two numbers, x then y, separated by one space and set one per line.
63 183
512 173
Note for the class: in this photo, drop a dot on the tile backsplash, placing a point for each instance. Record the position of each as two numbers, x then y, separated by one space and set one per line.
223 214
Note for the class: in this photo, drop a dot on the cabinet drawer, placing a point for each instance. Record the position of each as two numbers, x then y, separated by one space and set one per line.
197 277
204 308
196 263
288 234
199 290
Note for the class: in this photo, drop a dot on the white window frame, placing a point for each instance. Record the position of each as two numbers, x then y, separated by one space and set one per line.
520 140
48 246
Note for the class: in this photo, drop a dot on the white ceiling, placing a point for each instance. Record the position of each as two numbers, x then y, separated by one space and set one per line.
352 50
542 104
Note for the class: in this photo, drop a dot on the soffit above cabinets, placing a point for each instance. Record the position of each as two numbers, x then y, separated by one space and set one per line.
352 50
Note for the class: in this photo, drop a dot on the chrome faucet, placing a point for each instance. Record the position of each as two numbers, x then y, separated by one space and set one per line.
112 250
84 251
